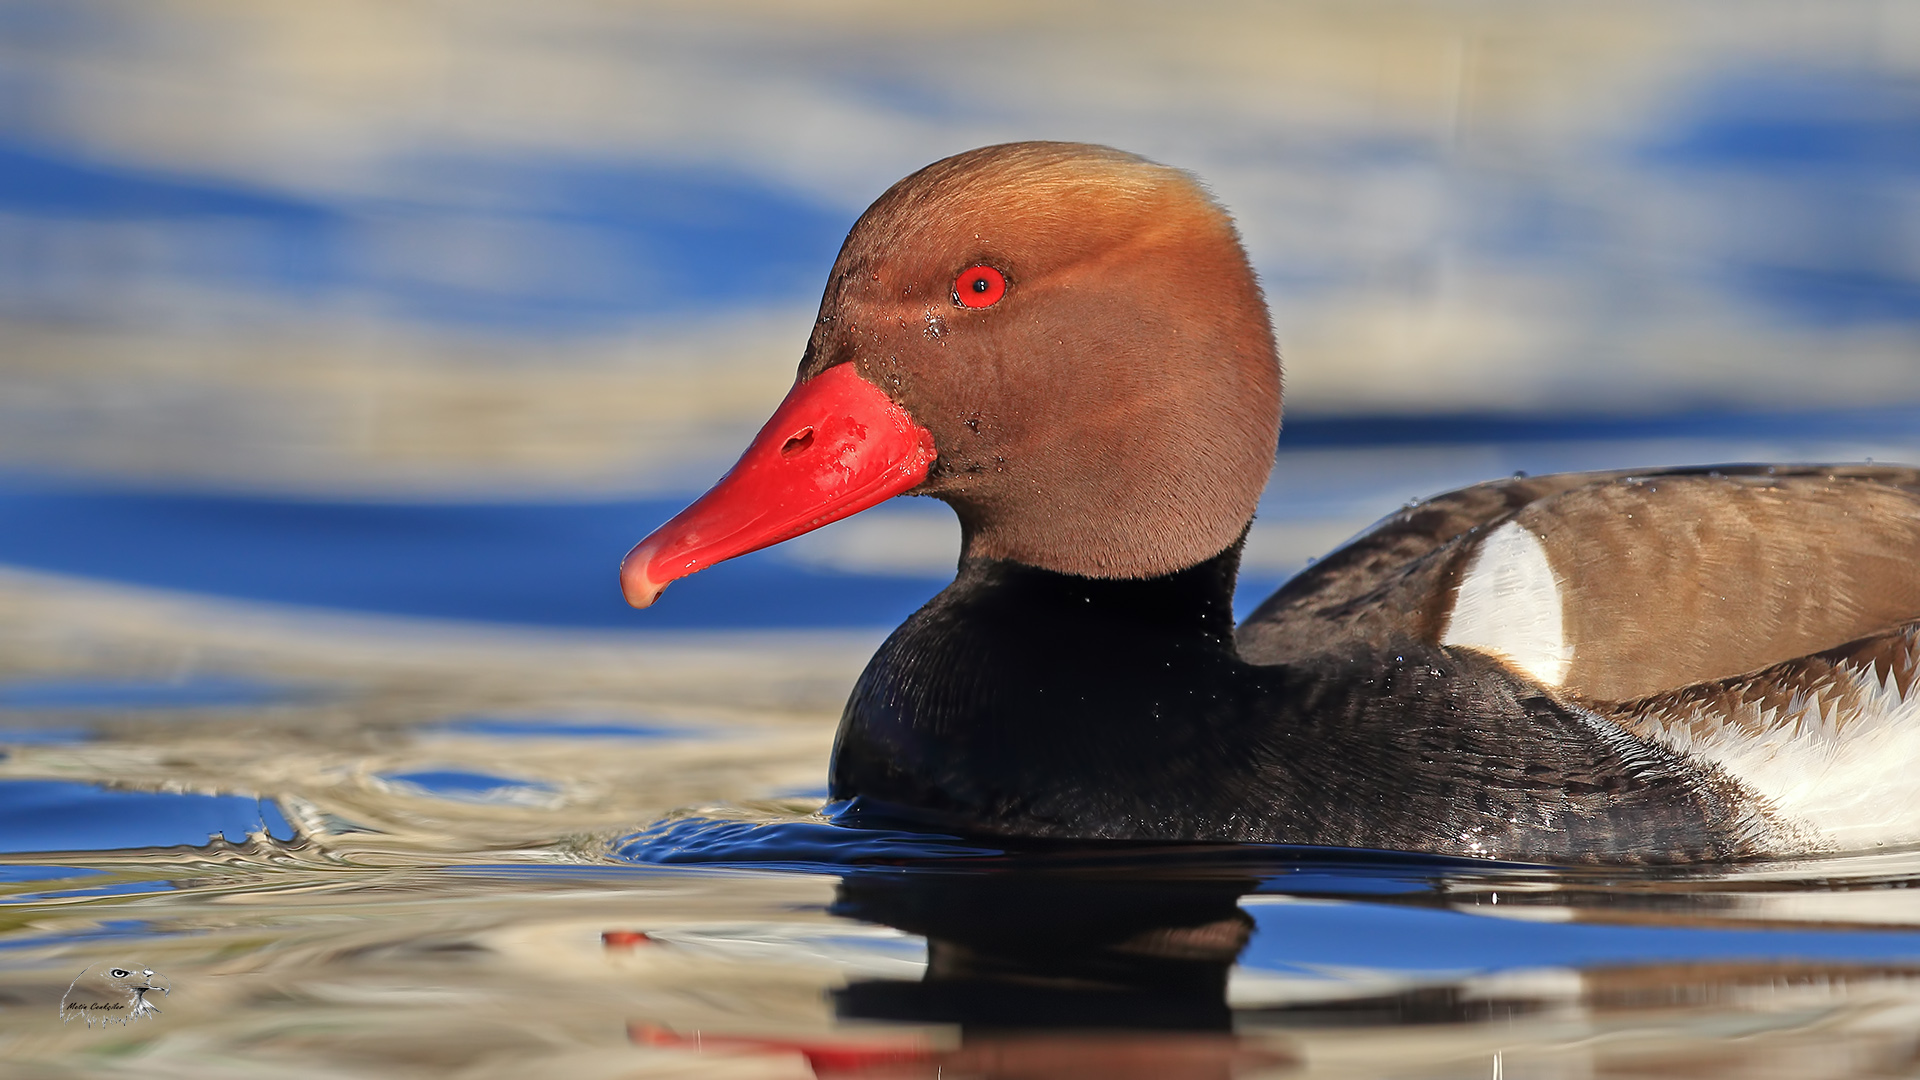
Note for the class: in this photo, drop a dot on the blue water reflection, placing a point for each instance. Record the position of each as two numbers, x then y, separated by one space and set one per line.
28 872
196 692
1809 170
1800 122
60 815
52 181
540 244
540 563
463 784
42 736
1900 422
498 727
107 930
118 888
1305 936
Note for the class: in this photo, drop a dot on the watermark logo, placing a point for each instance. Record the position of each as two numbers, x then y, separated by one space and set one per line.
113 994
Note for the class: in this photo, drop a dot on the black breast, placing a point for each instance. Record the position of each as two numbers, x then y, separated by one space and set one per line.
1023 702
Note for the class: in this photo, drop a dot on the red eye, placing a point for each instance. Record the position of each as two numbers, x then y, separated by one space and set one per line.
979 286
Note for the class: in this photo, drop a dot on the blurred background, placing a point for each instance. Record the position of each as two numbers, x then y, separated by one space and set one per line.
432 309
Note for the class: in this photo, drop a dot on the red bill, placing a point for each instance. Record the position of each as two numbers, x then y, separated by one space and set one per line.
834 447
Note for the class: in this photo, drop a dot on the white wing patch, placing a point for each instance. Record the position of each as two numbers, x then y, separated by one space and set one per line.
1509 606
1840 761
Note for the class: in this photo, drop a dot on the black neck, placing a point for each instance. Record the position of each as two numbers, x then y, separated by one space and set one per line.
1022 698
1193 606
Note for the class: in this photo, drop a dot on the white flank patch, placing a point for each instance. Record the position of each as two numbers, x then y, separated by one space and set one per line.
1509 606
1855 787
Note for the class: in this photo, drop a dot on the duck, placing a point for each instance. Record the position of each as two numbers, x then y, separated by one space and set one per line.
1067 344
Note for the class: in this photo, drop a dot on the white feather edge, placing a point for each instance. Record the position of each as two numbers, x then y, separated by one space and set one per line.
1509 606
1850 781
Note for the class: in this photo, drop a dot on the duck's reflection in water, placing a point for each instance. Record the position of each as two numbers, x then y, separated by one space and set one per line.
1064 975
1083 970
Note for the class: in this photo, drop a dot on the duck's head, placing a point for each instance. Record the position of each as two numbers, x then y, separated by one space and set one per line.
1064 342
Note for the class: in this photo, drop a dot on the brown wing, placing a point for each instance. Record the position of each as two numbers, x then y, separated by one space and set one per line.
1665 578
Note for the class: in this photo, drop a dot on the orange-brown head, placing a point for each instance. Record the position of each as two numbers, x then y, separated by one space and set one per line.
1077 334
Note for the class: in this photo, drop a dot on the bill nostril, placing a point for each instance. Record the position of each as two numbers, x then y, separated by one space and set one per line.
800 441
